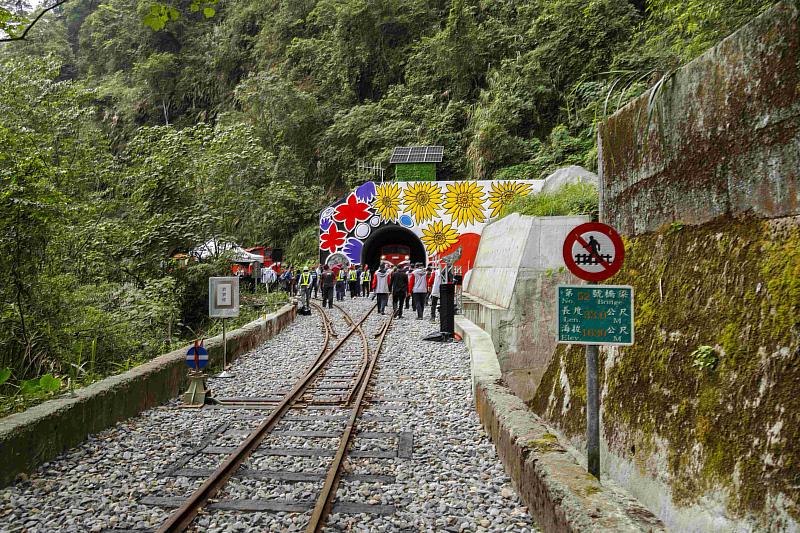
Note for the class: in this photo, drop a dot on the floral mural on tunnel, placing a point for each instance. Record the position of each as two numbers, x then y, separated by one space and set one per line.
351 211
503 192
423 199
447 216
388 201
439 236
464 201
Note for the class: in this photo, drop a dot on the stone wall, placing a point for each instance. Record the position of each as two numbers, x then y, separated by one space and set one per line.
38 434
711 447
724 138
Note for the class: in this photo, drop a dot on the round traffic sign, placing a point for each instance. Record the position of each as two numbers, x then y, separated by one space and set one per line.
199 360
593 251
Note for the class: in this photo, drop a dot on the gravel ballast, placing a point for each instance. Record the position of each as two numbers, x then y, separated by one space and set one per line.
436 469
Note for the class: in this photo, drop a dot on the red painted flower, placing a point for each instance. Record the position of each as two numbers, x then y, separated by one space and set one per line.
350 212
332 239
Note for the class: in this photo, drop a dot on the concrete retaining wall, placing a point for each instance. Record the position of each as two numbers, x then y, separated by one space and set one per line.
723 141
37 435
556 488
511 290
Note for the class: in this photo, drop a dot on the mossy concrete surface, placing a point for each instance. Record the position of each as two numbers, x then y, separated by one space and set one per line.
721 139
559 493
40 433
725 435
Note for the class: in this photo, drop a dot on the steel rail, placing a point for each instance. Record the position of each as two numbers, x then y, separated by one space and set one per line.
348 399
328 332
182 517
342 400
326 497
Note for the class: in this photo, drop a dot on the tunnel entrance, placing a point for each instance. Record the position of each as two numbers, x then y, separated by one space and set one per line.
391 235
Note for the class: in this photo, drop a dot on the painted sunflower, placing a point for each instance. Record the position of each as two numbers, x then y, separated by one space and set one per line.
439 236
387 201
503 192
464 201
423 200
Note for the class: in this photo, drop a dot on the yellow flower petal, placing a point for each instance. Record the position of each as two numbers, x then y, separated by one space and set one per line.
387 201
423 200
503 192
464 202
438 237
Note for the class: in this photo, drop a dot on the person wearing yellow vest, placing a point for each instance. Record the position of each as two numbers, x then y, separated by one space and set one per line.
340 284
305 287
352 281
365 281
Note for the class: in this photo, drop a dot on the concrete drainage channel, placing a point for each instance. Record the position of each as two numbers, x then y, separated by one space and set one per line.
558 491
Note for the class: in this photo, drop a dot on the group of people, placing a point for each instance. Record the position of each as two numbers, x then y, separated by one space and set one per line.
418 287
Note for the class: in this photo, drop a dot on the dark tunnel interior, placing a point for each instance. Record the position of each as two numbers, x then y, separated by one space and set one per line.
391 235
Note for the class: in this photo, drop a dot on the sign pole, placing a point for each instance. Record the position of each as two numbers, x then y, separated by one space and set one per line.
224 373
592 411
223 302
594 315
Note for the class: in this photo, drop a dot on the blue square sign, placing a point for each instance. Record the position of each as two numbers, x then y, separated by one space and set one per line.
595 314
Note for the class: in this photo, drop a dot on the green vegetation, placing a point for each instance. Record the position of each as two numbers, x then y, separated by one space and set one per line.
705 357
415 172
132 130
303 249
570 199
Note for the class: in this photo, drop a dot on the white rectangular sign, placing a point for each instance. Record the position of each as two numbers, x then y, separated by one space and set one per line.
223 297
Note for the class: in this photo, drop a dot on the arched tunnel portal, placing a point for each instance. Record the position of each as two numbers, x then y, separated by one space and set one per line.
388 235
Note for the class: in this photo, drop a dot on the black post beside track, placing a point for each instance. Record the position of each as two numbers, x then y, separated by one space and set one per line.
186 513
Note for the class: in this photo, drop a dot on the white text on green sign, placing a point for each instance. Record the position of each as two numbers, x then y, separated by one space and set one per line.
595 314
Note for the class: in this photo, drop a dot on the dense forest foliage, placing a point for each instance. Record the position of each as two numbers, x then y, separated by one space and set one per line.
239 119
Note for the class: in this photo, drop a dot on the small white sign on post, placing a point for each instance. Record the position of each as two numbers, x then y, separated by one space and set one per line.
223 297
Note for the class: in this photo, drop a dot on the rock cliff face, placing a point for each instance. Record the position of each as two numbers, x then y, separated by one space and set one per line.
701 417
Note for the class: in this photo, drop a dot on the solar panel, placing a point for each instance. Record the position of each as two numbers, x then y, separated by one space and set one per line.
417 154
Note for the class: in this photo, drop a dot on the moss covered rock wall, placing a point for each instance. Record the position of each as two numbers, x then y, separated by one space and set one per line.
708 399
719 136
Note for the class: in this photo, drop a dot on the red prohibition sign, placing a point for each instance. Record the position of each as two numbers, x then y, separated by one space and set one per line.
593 256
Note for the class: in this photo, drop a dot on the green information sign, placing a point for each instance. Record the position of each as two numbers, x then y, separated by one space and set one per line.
595 314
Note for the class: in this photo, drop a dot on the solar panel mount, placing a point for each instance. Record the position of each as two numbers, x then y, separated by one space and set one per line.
417 154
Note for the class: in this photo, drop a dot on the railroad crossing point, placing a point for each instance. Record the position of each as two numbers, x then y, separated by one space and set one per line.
594 314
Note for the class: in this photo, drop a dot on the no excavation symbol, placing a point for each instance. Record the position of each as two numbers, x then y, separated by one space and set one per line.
593 251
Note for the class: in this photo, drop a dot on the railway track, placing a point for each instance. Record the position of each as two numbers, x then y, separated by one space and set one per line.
337 381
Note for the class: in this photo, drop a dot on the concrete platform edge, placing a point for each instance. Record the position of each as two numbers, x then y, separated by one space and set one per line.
557 490
35 436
